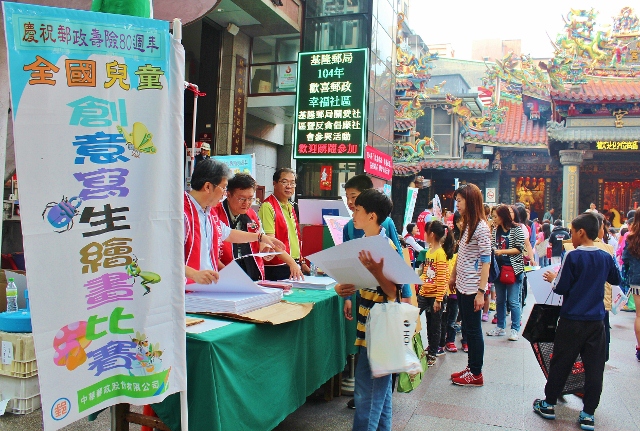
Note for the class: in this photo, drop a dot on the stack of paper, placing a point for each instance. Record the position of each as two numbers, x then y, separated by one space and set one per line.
313 282
230 302
234 293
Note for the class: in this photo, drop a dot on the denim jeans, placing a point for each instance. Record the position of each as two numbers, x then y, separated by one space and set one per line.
509 293
463 328
472 324
372 397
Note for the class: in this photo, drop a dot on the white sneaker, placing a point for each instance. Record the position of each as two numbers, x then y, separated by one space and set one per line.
496 332
514 335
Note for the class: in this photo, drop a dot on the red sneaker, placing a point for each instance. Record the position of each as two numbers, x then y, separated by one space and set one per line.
495 320
465 347
456 375
468 379
451 347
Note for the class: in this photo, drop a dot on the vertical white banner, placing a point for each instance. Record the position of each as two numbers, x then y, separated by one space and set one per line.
412 195
97 111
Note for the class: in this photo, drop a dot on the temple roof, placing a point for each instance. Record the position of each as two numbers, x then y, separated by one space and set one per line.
517 130
557 132
600 91
405 169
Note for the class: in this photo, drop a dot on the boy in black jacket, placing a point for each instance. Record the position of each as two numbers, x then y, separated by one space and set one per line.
580 328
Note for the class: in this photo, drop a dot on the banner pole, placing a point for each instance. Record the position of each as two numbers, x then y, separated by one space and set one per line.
184 412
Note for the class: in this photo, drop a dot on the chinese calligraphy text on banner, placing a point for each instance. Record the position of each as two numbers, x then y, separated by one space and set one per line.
331 104
97 134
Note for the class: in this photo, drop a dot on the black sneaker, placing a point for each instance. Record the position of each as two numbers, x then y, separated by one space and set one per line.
431 360
545 410
587 422
351 403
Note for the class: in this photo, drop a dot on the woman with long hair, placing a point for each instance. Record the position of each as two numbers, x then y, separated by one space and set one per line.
631 259
508 244
470 276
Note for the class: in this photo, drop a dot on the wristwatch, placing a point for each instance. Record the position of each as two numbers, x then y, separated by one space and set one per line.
481 290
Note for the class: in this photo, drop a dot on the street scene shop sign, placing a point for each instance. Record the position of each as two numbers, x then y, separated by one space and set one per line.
617 145
331 101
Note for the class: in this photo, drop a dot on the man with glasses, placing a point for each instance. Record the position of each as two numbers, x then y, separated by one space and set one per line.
236 212
204 232
279 220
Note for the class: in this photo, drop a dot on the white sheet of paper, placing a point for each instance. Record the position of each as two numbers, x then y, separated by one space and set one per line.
541 289
207 325
342 264
311 209
3 405
265 254
232 279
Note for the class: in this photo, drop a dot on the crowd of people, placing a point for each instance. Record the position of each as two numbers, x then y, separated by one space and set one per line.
453 257
513 241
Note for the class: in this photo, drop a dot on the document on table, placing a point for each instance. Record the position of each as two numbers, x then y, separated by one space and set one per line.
232 279
207 325
313 282
342 264
541 289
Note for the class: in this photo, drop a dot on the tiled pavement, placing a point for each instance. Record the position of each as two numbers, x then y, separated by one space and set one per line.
512 380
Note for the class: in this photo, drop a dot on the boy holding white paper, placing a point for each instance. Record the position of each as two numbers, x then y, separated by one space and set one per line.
372 395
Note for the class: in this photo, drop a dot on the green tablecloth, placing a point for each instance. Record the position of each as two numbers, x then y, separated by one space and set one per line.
250 377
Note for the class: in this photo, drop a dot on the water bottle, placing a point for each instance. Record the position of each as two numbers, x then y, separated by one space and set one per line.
12 296
313 271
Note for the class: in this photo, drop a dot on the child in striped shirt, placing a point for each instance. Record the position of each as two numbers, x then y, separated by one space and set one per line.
435 277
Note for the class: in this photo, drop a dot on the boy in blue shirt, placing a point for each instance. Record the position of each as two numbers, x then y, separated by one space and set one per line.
581 327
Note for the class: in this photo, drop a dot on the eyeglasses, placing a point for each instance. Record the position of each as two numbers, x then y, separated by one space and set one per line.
245 200
287 183
224 190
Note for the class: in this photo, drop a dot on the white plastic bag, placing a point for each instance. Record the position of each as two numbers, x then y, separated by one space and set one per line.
389 328
618 299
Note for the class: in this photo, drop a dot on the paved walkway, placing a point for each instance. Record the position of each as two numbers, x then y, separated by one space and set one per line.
512 380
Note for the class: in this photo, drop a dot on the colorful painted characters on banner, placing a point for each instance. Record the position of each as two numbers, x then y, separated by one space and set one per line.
92 80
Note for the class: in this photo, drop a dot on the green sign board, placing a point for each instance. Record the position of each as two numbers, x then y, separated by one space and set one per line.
331 104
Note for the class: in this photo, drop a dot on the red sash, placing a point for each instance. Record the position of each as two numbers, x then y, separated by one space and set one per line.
282 229
409 248
193 235
226 255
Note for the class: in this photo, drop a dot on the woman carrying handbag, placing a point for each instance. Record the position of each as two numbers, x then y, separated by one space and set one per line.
508 243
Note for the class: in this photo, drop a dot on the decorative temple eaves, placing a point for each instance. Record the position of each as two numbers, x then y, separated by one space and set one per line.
559 133
407 169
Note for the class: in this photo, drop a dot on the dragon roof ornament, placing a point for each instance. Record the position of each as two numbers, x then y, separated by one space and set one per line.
586 50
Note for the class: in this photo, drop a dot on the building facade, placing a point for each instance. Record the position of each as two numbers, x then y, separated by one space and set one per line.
332 25
241 55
